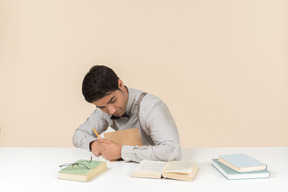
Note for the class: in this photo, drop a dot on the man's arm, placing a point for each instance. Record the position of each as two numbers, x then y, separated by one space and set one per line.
84 135
158 122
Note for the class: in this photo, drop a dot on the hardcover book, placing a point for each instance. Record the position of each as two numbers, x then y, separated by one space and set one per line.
231 174
242 163
125 137
79 171
179 170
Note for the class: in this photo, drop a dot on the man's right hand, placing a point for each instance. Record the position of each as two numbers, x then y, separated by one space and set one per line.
95 147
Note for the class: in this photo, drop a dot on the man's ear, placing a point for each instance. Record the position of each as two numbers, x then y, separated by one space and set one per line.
120 83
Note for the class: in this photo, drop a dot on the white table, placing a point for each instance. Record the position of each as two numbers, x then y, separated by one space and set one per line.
36 169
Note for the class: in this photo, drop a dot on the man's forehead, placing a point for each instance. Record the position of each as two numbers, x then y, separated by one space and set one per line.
104 100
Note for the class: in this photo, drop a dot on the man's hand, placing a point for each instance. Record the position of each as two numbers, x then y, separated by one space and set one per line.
95 147
110 150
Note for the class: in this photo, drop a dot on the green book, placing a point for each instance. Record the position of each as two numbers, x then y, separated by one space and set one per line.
82 170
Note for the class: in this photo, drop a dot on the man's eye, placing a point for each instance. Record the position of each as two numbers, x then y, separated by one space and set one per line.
113 101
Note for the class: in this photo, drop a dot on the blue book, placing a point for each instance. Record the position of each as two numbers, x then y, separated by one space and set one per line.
242 163
230 174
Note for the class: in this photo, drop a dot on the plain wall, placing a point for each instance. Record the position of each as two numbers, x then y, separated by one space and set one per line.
220 66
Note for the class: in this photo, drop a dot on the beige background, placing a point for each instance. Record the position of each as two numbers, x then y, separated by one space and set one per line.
221 66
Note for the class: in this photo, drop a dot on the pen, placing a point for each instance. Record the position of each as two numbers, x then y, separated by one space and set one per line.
96 133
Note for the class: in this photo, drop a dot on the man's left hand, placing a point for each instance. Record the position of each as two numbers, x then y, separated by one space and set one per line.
110 150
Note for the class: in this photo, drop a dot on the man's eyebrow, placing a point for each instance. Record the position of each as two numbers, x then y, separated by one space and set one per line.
111 99
107 102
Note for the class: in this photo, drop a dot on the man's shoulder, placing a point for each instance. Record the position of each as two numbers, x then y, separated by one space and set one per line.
149 98
136 93
150 102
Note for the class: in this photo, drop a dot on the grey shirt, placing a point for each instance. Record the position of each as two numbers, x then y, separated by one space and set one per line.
158 130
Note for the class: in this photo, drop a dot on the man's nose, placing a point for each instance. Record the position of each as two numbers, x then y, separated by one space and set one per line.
111 109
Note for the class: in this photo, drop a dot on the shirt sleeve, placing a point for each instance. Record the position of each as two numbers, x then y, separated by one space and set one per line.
84 134
159 124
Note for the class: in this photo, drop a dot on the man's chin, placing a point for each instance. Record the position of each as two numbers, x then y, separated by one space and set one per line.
117 115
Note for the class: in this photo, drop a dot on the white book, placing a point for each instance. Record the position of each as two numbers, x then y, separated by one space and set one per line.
179 170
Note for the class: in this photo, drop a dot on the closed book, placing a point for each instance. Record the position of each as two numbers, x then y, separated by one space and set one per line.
242 162
79 172
231 174
179 170
125 137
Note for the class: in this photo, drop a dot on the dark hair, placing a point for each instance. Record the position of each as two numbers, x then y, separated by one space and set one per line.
98 82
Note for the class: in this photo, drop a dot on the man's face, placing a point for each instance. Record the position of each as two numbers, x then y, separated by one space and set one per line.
114 103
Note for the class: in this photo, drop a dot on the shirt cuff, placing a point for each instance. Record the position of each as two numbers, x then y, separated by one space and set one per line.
126 152
87 143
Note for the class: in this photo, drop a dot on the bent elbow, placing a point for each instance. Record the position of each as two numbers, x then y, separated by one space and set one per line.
76 139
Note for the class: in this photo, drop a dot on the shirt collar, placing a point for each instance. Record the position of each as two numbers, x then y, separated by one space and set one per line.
124 115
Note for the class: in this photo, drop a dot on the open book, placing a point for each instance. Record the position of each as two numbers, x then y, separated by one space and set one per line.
180 170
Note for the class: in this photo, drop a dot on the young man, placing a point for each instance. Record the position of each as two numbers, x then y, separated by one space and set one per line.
122 108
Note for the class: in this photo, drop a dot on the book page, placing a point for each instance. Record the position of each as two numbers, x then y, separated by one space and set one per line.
151 166
184 167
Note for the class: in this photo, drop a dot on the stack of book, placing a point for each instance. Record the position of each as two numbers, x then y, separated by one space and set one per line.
240 166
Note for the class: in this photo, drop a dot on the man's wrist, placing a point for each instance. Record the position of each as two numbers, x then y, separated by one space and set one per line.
126 152
90 148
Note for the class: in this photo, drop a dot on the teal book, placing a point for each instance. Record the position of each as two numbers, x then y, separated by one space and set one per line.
82 170
230 174
242 162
